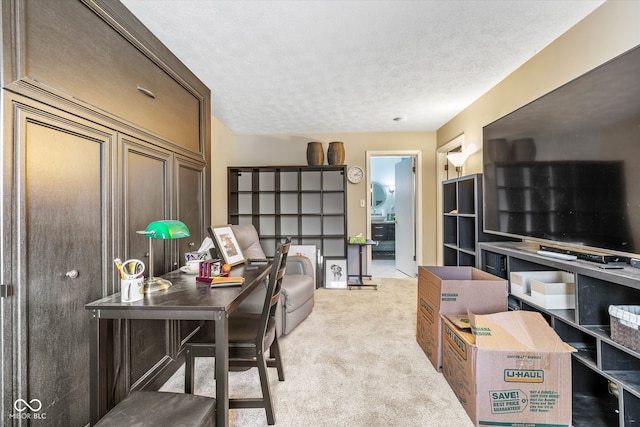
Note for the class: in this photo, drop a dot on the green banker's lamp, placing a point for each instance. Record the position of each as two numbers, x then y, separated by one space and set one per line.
164 229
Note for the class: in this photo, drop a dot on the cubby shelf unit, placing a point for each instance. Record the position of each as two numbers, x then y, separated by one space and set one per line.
306 203
462 220
605 374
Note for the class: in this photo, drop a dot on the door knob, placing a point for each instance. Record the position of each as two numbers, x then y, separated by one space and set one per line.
72 274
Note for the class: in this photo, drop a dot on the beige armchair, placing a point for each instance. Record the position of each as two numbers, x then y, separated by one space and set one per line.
298 284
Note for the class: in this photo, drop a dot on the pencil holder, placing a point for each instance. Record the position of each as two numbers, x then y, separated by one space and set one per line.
131 289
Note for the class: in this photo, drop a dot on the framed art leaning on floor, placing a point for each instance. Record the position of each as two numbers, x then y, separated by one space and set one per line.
335 273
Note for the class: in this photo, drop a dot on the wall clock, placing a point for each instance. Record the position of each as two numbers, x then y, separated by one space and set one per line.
355 174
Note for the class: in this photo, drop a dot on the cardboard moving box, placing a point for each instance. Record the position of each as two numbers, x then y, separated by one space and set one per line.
453 290
513 370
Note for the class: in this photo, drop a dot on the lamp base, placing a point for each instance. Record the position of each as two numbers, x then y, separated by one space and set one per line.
154 284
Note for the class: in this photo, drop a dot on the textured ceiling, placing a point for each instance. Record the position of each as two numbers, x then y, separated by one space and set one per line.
352 66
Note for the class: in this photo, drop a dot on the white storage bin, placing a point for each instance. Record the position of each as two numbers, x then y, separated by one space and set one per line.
557 294
521 283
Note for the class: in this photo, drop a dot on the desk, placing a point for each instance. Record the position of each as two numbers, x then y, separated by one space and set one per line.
185 300
357 283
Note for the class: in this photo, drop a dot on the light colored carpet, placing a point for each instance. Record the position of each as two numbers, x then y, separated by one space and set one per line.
353 362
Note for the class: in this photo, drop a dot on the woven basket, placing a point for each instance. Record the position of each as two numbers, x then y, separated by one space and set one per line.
624 325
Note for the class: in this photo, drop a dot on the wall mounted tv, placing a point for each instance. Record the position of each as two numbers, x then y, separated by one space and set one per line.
565 169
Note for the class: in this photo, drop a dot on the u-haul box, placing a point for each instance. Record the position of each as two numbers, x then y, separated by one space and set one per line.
508 369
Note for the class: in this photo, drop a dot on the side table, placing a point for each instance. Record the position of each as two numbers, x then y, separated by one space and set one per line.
357 283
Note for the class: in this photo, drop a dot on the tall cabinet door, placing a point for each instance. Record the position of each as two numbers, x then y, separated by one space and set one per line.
190 184
56 241
146 174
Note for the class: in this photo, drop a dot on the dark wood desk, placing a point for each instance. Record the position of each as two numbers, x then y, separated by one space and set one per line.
185 300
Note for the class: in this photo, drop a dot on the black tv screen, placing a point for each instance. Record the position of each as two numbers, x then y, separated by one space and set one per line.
565 168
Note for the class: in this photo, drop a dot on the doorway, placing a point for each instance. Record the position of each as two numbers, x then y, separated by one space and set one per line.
393 212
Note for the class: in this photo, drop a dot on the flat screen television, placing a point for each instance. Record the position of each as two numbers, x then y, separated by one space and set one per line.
565 168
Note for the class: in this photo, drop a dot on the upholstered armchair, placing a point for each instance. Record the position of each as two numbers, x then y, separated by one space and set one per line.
298 284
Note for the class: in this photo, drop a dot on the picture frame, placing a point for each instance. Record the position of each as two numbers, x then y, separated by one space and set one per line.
227 245
335 273
309 251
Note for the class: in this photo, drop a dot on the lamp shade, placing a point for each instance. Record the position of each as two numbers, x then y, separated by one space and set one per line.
167 229
457 159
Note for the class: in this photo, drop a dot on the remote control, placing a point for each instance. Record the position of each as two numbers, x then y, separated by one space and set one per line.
558 255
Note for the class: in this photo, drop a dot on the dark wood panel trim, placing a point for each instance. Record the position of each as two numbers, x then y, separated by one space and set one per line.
51 96
129 27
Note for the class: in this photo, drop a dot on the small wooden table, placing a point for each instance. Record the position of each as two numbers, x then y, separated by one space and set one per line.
357 283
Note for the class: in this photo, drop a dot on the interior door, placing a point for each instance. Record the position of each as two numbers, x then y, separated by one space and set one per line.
405 217
60 175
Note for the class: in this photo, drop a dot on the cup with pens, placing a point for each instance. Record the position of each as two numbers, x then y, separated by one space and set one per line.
193 259
131 279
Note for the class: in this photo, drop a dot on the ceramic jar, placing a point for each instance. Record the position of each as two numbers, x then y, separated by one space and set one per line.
335 153
315 154
523 150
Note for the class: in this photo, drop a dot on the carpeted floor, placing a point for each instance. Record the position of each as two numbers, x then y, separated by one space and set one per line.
353 362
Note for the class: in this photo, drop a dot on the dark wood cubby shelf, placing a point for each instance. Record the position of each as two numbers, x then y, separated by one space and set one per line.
605 374
306 203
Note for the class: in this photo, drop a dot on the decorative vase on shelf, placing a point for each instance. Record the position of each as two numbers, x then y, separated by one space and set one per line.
523 150
498 149
315 154
335 153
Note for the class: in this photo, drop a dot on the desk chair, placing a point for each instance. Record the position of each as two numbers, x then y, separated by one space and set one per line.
298 284
251 335
159 409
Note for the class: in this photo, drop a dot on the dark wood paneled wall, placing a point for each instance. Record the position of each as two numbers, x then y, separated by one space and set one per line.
89 157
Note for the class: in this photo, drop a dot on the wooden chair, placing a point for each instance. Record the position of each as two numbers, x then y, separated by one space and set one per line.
251 336
159 409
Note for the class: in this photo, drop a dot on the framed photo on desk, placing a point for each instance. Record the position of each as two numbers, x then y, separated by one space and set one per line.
227 245
335 273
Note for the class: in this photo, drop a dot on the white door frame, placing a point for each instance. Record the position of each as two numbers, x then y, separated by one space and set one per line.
443 172
417 154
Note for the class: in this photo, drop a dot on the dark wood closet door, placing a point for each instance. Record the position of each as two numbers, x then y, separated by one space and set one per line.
59 246
146 173
190 183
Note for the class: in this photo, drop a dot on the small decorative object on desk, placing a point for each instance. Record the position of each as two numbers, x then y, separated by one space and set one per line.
209 269
193 260
226 281
195 256
624 325
227 245
225 270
